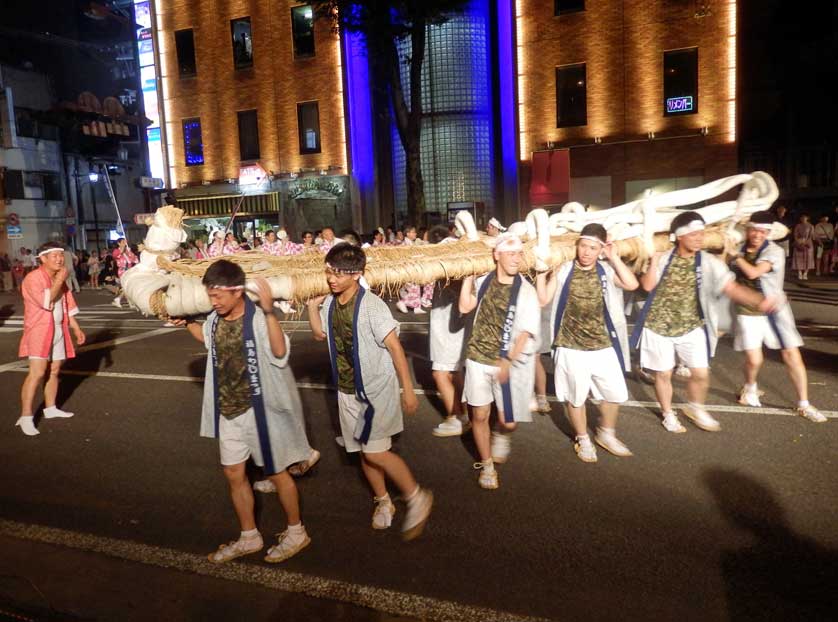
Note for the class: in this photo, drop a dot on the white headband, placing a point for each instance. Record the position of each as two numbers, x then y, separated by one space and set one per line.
760 225
227 288
592 239
690 227
508 243
496 224
50 250
341 270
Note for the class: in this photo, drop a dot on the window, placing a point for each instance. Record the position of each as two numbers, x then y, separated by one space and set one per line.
248 135
193 144
52 187
308 121
571 96
13 184
302 25
680 82
569 6
185 44
242 42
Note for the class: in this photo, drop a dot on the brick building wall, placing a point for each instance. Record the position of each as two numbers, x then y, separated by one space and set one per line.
622 44
273 86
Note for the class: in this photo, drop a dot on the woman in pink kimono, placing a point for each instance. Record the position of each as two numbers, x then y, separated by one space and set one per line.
49 311
803 258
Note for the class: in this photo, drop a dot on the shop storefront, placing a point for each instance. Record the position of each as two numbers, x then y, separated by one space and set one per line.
297 205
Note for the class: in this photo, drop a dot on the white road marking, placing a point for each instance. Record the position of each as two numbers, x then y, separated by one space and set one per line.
316 386
379 599
22 365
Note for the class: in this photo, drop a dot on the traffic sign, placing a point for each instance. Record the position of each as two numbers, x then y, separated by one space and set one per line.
151 182
13 219
14 232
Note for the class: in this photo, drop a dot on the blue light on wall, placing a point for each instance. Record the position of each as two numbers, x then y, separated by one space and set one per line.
506 92
359 106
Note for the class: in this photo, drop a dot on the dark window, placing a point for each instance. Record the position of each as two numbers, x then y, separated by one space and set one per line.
680 82
193 144
185 44
248 135
302 25
242 42
13 184
569 6
571 96
52 187
28 126
308 120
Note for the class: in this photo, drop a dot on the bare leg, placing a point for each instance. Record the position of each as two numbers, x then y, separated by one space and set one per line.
37 370
540 376
663 389
375 476
393 466
753 363
480 430
241 494
610 411
698 384
797 372
51 386
288 496
578 418
450 390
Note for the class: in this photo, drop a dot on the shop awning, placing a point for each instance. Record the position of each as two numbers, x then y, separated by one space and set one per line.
223 205
550 182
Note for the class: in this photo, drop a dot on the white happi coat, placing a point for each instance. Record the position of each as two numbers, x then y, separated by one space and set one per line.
522 371
613 302
283 408
381 385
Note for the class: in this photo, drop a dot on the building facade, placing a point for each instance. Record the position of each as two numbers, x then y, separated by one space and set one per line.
631 96
526 103
253 108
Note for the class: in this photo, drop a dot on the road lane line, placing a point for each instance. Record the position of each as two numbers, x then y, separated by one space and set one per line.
22 364
316 386
379 599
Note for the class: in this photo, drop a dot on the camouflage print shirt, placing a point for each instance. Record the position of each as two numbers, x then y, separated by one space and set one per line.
484 344
342 327
583 322
754 284
233 388
674 309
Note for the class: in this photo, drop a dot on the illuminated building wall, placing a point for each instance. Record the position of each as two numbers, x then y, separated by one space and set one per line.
276 83
622 45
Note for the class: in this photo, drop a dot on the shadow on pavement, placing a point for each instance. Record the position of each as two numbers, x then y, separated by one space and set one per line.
780 574
90 360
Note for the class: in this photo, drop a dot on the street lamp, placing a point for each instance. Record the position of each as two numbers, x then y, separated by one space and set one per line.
93 176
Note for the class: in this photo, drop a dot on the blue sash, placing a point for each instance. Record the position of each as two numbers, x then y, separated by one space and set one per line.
609 325
772 319
253 379
357 376
637 333
506 335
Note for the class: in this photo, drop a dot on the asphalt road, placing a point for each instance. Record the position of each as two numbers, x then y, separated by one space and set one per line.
737 525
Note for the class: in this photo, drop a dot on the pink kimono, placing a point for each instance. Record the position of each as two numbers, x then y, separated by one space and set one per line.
38 324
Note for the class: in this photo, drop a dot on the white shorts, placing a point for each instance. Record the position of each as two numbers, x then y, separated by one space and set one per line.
754 331
579 372
480 386
658 352
437 366
349 409
238 439
59 351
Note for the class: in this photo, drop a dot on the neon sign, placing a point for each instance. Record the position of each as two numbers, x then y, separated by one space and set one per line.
675 105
